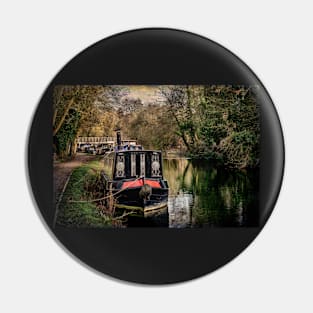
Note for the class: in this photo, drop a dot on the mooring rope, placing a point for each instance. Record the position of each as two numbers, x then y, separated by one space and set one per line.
106 197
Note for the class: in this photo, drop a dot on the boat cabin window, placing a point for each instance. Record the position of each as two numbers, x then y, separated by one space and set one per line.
120 166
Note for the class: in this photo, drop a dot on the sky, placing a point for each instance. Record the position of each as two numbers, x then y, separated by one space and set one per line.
146 93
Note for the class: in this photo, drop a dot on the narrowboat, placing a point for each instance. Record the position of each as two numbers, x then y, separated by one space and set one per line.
137 179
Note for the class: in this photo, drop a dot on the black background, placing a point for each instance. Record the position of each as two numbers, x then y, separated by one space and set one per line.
155 255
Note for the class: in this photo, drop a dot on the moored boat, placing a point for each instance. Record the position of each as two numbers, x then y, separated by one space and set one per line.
137 180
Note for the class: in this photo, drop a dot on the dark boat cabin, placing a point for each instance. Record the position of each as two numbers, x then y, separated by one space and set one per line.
130 164
138 179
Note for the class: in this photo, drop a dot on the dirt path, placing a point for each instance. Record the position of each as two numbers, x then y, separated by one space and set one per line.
62 170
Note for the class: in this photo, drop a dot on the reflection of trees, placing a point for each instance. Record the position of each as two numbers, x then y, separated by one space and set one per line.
220 197
177 173
225 197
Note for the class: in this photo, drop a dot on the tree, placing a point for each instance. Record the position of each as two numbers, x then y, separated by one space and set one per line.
217 121
230 124
77 109
221 122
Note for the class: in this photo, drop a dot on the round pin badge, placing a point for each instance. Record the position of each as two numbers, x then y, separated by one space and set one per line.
155 156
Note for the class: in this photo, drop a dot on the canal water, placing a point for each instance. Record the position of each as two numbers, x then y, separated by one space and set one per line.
204 195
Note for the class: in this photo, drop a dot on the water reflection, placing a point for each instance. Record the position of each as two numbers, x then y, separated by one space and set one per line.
202 194
179 210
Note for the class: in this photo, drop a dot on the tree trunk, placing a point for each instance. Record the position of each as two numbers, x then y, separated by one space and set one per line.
57 128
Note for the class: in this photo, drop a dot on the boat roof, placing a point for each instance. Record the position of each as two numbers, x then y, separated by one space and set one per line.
138 151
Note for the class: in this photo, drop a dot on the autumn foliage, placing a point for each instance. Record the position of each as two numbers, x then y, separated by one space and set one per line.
217 122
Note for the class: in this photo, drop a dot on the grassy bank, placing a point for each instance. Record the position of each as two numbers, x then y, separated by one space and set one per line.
84 185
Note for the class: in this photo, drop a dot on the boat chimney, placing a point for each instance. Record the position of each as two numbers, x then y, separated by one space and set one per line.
118 137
